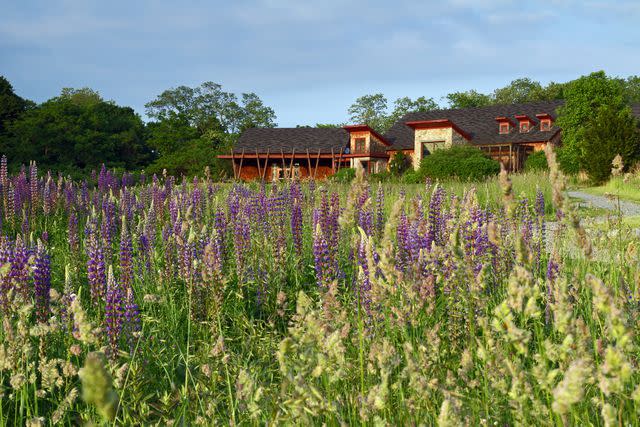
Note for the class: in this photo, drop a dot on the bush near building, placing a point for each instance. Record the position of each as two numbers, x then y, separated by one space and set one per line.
464 162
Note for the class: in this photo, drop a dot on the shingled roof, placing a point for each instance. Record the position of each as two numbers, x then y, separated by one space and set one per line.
479 123
275 140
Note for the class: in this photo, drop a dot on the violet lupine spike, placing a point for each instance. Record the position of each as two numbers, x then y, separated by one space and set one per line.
436 223
96 272
33 186
114 314
126 256
296 227
132 322
380 212
20 269
363 283
42 283
6 257
322 259
72 231
4 172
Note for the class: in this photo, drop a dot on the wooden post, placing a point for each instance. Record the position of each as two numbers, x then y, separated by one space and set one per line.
284 168
510 158
266 164
340 161
258 162
333 162
241 160
293 155
233 163
308 163
317 163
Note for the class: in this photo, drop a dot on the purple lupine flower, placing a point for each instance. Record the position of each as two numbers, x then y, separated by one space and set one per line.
126 256
72 231
96 273
322 259
363 287
114 314
33 186
42 283
132 324
6 257
380 212
296 227
4 172
403 254
436 223
20 269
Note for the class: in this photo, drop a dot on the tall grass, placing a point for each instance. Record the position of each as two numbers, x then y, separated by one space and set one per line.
197 303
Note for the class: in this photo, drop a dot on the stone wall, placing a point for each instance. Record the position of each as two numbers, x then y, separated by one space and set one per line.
446 134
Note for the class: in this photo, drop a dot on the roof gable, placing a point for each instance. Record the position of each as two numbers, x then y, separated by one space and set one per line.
288 140
479 123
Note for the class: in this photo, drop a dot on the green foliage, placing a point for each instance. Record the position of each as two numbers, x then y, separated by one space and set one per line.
11 105
460 161
468 99
583 98
611 132
536 161
370 110
194 155
518 91
77 132
399 163
344 175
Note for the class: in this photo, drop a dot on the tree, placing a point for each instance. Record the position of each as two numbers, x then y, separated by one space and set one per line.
518 91
583 99
468 99
406 105
370 110
11 105
612 131
254 114
632 89
76 132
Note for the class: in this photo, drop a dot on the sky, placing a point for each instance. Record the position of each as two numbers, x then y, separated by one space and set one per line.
310 60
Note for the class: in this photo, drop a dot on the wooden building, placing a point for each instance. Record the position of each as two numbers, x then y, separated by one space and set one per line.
507 133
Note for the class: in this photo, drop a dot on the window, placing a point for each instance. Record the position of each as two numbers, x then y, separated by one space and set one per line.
429 147
504 127
360 144
524 126
545 124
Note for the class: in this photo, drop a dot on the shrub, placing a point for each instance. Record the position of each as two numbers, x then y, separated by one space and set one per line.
610 133
399 163
536 161
344 175
461 161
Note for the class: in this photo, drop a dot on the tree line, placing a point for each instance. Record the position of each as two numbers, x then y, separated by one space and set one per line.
77 131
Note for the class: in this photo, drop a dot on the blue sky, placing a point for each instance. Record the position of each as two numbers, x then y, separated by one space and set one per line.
310 60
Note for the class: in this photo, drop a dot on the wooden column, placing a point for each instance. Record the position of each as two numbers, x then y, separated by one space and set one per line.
258 162
240 168
284 167
293 155
317 163
266 164
233 163
308 163
333 162
510 158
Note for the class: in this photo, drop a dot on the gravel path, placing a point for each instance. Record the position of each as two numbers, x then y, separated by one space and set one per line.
586 199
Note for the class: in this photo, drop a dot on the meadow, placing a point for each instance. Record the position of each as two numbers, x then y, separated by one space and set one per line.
192 302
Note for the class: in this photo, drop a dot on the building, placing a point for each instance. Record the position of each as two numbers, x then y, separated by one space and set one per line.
507 133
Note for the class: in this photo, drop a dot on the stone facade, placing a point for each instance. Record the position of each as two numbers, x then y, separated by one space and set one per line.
443 137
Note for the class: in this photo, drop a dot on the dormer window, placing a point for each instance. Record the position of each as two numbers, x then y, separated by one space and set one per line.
545 124
504 124
546 121
525 122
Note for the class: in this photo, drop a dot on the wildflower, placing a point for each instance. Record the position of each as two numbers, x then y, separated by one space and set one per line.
97 388
114 313
42 283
